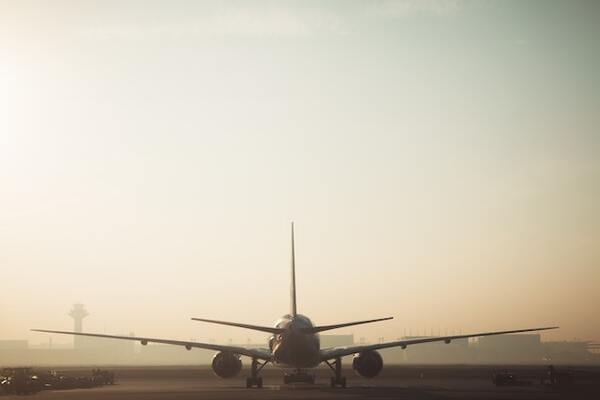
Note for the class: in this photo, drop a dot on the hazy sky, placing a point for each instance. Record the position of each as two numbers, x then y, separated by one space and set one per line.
441 161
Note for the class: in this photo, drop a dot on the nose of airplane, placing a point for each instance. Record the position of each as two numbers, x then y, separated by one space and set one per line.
288 340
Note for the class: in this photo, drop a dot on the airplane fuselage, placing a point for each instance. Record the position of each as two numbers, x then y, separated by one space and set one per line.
293 347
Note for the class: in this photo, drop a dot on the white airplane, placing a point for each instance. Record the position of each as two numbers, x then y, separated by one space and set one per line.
294 344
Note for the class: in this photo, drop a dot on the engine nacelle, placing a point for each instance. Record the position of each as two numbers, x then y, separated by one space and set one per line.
368 364
226 365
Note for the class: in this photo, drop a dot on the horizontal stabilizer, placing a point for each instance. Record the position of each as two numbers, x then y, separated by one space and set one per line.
252 327
322 328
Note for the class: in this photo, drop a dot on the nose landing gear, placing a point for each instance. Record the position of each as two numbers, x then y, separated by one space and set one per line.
336 367
254 379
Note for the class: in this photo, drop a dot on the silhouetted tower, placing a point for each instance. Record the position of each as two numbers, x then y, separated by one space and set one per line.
78 313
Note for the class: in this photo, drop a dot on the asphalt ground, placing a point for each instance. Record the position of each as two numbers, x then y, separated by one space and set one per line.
395 382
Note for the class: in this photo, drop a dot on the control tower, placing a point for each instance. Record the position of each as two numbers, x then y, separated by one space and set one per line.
78 313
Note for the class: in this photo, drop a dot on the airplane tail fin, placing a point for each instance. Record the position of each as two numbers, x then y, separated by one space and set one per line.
293 310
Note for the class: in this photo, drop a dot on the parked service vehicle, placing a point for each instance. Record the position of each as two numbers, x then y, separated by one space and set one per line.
19 381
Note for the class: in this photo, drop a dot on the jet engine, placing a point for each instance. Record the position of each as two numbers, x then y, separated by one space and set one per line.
367 364
226 365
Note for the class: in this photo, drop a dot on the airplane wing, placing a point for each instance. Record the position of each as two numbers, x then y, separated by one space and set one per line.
328 354
259 353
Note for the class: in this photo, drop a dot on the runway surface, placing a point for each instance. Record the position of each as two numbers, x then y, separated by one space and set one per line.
395 382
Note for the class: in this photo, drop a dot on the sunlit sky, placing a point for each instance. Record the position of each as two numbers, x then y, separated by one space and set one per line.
440 161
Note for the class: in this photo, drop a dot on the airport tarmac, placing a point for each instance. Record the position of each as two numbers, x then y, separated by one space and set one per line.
395 382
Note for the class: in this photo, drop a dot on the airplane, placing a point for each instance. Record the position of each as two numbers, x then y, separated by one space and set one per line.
294 344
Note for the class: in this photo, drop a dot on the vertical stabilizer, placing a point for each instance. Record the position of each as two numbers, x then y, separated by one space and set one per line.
293 286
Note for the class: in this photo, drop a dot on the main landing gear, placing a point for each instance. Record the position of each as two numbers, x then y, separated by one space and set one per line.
336 367
298 377
254 379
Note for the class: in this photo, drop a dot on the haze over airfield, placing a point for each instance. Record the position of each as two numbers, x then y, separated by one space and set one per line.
440 160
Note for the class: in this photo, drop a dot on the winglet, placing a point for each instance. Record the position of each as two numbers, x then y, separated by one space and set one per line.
293 310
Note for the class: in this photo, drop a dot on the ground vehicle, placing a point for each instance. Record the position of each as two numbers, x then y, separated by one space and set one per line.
19 381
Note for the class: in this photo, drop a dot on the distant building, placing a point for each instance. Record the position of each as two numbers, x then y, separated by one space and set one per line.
455 352
13 344
158 354
522 348
568 352
78 313
336 340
